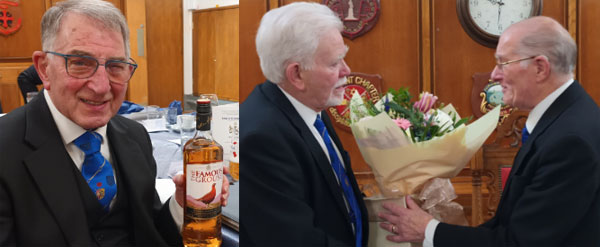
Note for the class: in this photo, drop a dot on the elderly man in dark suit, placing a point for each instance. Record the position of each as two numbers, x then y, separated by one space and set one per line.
72 173
298 184
552 196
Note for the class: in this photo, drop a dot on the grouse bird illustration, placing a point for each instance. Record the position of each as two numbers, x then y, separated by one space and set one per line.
210 196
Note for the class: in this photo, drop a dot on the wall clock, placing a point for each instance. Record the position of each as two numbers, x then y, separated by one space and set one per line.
485 20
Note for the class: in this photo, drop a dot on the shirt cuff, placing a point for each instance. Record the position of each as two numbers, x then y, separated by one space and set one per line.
176 212
429 232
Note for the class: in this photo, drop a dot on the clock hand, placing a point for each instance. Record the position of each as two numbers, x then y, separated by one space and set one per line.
500 3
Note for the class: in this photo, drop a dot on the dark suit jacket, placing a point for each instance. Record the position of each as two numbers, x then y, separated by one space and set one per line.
552 196
40 204
290 195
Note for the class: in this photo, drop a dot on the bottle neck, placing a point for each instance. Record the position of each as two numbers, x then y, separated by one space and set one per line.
203 121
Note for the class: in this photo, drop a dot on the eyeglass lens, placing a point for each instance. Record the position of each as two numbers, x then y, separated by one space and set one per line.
84 67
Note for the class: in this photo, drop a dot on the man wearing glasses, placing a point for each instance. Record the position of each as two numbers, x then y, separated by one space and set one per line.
71 172
552 195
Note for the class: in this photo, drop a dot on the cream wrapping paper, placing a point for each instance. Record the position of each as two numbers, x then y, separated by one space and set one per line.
402 168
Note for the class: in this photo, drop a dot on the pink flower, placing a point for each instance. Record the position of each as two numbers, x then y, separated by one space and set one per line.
426 102
402 123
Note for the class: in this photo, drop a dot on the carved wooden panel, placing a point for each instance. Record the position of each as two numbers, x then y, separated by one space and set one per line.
21 44
493 157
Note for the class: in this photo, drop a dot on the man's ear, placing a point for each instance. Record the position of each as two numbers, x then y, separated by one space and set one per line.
41 63
294 76
542 67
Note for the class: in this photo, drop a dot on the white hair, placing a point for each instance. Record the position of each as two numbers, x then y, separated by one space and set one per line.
291 33
103 12
553 41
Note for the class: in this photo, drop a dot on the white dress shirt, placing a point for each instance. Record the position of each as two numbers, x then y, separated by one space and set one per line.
309 116
532 120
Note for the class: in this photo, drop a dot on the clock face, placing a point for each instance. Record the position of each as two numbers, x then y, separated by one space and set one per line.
494 16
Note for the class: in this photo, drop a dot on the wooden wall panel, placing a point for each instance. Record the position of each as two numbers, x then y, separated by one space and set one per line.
456 57
251 11
10 97
392 50
135 13
165 51
10 94
589 41
22 43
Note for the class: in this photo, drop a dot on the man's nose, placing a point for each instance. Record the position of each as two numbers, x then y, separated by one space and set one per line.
496 74
345 69
99 82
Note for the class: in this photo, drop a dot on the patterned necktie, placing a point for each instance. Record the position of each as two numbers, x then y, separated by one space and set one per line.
345 183
96 170
524 135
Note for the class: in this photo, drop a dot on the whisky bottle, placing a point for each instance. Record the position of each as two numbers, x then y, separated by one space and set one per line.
203 169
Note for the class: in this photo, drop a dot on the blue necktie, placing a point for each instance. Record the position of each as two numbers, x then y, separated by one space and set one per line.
341 174
524 135
96 170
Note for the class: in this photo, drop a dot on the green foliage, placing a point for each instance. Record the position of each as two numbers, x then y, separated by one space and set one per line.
423 125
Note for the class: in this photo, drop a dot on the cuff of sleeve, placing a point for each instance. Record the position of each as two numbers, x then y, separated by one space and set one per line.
176 212
429 232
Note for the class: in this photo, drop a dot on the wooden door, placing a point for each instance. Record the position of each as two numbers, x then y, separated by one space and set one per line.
216 52
164 19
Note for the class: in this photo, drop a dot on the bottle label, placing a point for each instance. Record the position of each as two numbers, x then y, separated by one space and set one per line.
203 189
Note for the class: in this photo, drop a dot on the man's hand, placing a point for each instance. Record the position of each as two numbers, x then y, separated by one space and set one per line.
179 181
406 224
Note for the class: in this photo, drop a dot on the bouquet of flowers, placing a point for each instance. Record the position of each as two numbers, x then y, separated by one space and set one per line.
410 144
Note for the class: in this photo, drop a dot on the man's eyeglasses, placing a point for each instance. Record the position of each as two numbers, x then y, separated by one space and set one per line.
81 67
501 65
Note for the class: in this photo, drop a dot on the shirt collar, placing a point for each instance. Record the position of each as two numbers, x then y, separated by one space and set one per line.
540 108
306 113
69 130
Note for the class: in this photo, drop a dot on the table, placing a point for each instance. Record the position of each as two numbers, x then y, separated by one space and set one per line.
169 161
167 154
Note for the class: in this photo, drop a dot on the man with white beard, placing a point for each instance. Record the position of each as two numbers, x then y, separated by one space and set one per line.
298 184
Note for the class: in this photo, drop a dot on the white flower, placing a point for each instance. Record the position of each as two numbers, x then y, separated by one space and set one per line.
442 119
358 109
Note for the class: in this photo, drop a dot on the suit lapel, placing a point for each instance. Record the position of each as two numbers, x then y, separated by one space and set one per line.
135 179
51 168
564 101
274 94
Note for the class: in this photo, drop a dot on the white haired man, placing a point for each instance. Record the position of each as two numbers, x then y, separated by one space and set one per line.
552 196
298 184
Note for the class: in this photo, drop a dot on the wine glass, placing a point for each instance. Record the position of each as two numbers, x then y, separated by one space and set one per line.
214 101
